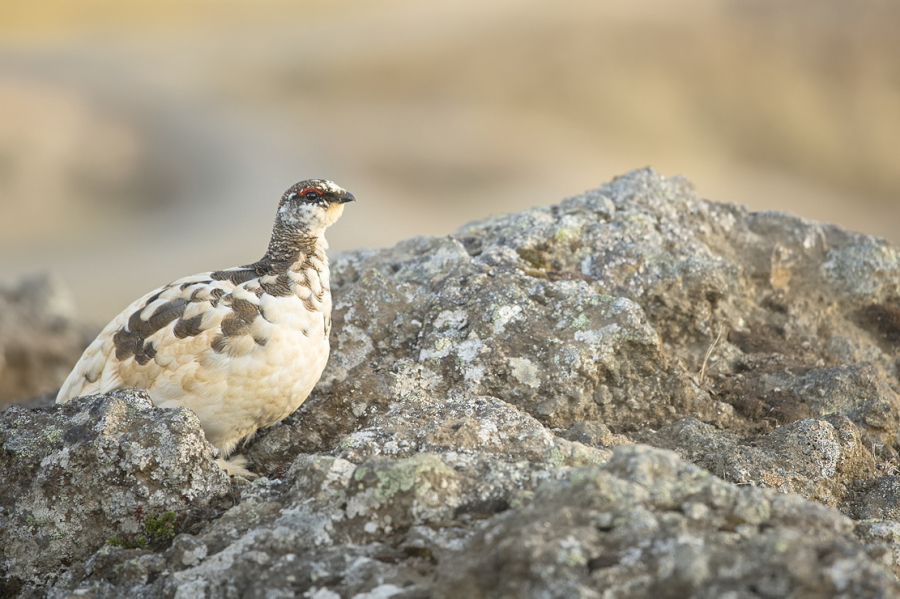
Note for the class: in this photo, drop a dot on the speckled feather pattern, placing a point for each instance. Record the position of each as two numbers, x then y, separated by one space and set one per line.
241 347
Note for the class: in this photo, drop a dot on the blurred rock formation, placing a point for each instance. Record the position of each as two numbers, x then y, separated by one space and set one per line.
40 338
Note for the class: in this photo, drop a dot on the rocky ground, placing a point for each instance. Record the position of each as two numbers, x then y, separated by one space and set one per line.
631 393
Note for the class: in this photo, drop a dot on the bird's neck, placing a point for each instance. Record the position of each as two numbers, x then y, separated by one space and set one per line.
290 246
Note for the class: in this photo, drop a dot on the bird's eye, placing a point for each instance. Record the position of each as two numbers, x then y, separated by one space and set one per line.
310 193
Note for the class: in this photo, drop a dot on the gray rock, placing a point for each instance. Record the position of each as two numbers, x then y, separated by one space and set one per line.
879 499
649 525
473 432
98 470
439 322
819 459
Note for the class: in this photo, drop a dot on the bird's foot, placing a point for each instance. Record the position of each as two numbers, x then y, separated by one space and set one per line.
237 466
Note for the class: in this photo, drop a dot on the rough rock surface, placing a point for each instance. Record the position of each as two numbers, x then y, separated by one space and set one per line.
97 471
473 434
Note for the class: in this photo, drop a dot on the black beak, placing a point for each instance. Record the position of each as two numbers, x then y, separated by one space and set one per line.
347 197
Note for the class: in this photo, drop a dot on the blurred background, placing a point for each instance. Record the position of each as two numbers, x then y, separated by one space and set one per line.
144 140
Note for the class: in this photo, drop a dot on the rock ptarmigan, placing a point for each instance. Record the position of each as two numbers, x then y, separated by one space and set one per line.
241 347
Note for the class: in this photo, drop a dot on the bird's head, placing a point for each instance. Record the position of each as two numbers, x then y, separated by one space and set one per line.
311 206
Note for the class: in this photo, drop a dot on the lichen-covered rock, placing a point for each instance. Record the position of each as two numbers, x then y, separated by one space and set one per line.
880 499
94 471
819 459
479 425
349 528
785 394
649 525
441 322
473 432
633 305
644 524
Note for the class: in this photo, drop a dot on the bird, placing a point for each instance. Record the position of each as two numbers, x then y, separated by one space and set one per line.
242 347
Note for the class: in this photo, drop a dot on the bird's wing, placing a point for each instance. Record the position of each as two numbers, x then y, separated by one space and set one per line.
176 335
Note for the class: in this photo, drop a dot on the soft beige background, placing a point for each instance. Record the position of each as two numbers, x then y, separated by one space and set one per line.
143 140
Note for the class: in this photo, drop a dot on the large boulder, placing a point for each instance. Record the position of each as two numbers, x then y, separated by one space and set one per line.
98 470
475 431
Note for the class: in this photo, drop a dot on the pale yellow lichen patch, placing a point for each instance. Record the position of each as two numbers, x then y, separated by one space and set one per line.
526 372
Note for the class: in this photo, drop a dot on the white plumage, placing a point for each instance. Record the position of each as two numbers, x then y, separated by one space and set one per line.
241 347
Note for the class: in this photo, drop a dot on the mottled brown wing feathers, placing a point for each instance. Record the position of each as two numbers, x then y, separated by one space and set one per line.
236 276
188 328
132 340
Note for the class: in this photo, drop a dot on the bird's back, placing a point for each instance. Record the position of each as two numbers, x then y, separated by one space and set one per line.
241 348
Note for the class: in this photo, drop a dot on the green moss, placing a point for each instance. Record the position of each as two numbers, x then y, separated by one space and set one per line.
128 541
162 527
158 531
